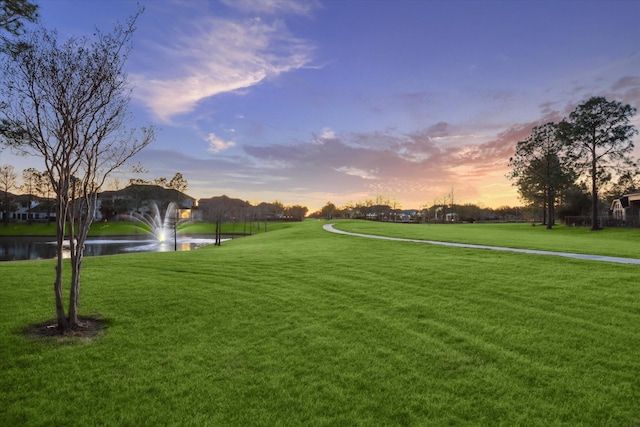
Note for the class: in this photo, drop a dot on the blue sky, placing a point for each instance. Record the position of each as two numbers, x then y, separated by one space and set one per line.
314 101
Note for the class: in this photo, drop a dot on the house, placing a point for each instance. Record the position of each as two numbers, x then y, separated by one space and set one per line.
452 217
626 209
140 197
26 208
134 198
407 215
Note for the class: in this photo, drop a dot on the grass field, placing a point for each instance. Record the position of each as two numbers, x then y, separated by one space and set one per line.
128 228
303 327
622 242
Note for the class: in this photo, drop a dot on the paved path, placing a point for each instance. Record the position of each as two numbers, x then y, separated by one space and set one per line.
329 227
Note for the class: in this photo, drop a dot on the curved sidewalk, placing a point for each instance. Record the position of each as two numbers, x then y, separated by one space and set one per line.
329 227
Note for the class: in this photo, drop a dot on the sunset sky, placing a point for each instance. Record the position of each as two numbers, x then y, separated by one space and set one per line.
314 101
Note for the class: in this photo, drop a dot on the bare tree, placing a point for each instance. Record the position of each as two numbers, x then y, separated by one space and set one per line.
31 186
115 184
68 103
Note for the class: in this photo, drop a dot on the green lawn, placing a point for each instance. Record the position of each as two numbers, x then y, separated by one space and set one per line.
303 327
128 228
622 242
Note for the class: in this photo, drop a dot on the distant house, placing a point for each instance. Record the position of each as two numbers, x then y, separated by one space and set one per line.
452 217
626 209
134 198
31 208
407 215
140 197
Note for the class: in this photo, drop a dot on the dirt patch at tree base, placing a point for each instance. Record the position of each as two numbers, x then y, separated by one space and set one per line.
90 327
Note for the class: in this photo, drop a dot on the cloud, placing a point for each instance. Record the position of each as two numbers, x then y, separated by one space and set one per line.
357 172
296 7
415 168
217 145
626 82
422 164
327 133
217 56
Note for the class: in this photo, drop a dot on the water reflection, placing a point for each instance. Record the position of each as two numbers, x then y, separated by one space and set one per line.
33 248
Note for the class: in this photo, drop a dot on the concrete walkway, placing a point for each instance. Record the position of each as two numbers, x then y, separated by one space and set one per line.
329 227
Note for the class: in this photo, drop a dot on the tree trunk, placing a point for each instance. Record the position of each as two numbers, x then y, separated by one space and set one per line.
57 285
74 291
5 209
73 288
551 217
77 255
594 192
217 235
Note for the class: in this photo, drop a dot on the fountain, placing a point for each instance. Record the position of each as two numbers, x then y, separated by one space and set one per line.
163 228
161 238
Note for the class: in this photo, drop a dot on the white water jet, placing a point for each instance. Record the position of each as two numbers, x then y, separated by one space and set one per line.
163 228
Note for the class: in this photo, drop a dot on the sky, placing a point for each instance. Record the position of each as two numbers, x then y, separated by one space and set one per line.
311 101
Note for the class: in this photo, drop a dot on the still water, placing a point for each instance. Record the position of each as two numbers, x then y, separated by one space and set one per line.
32 248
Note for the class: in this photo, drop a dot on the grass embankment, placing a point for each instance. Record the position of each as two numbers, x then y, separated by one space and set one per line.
621 242
130 228
305 327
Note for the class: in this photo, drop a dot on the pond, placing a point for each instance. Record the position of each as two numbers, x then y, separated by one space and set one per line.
33 248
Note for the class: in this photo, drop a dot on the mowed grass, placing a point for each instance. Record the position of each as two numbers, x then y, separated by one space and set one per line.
112 228
304 327
621 242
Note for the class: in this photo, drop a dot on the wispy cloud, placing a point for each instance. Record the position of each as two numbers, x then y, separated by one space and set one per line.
218 56
217 145
357 172
327 133
296 7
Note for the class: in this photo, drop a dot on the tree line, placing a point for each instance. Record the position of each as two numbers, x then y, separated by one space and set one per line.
120 201
441 211
588 153
571 168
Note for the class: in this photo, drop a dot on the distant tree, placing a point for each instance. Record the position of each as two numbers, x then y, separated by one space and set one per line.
296 212
162 182
364 209
139 181
575 201
469 212
451 197
44 189
178 183
540 168
115 184
8 183
216 210
68 103
627 182
31 181
32 186
113 206
598 135
328 211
